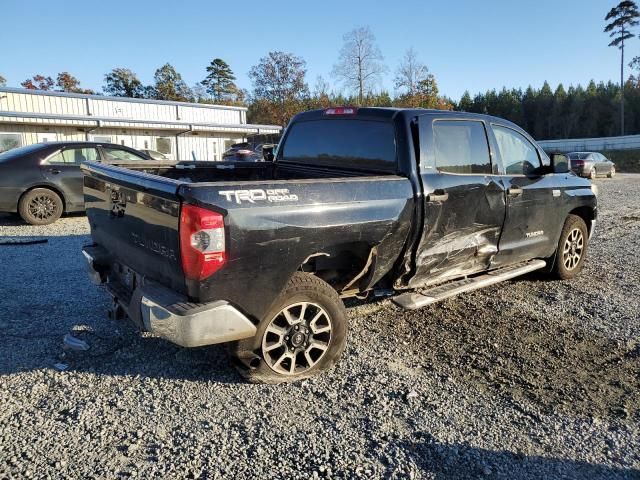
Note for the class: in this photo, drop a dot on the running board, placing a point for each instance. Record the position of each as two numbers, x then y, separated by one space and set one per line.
415 300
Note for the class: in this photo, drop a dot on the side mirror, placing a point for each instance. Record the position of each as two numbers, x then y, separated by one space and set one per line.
267 152
559 163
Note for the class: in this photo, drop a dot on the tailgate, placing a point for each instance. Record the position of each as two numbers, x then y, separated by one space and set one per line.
135 217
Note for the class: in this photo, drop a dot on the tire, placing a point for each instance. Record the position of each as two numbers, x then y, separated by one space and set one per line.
612 172
572 248
286 348
40 206
593 174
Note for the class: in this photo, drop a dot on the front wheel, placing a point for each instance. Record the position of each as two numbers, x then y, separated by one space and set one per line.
303 334
572 248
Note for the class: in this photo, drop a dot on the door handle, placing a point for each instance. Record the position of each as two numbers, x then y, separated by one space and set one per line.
55 171
514 191
438 195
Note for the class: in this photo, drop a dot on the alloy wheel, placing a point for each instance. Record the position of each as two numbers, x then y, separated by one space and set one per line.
573 249
42 207
297 338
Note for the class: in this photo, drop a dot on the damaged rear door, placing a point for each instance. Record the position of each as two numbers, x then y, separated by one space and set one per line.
464 200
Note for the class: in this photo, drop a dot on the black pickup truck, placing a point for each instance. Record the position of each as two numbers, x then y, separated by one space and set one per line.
418 204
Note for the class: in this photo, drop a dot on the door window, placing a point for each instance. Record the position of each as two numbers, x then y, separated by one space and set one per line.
519 156
461 147
74 156
118 154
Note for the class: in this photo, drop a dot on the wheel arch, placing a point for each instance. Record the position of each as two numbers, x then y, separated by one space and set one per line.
344 266
48 187
587 214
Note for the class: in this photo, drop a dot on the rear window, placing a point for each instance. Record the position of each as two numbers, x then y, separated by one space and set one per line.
578 156
361 144
16 152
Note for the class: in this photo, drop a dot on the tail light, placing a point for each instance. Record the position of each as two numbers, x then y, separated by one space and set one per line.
341 111
577 163
202 245
245 152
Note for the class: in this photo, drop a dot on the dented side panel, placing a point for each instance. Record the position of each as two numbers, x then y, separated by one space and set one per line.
460 234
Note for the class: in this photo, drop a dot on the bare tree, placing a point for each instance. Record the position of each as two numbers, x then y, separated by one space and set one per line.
410 73
278 86
360 65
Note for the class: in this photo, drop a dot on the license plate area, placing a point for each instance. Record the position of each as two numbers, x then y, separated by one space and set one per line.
125 276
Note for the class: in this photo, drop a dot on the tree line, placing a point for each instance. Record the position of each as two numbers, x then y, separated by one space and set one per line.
280 87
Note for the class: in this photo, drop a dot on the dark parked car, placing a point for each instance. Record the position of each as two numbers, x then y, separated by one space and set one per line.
244 152
591 164
419 204
44 180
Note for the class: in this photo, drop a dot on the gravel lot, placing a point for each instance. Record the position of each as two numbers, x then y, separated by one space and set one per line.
528 379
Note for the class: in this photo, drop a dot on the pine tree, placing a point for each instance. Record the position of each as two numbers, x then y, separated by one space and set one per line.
624 17
219 83
170 86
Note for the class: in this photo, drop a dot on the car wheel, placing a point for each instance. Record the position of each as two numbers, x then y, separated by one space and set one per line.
592 175
572 248
612 172
40 206
303 334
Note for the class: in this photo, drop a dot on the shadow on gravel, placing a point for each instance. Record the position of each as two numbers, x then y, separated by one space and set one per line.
459 461
14 220
128 353
151 357
534 358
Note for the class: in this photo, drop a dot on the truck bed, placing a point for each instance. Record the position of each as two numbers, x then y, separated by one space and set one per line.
276 218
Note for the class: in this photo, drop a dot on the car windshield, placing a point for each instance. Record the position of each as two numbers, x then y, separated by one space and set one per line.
17 152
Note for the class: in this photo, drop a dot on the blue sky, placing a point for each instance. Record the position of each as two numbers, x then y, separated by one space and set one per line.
468 45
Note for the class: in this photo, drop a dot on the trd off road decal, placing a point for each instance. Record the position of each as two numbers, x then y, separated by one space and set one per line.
259 195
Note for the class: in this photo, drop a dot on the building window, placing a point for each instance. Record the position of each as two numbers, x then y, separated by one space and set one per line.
163 145
47 137
9 141
100 138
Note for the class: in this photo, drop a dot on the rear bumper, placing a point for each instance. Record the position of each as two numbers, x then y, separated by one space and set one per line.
584 171
170 315
206 324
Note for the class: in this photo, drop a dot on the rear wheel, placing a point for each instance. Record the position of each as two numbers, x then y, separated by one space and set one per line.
612 172
40 206
303 334
572 248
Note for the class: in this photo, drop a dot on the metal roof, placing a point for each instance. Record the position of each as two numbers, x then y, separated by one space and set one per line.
117 99
111 122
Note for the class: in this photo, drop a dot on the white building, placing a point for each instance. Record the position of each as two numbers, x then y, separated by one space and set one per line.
183 131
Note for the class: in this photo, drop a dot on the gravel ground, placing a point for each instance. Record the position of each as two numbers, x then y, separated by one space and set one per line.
528 379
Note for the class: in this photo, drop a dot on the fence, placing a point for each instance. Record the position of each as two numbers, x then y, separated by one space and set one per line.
627 142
